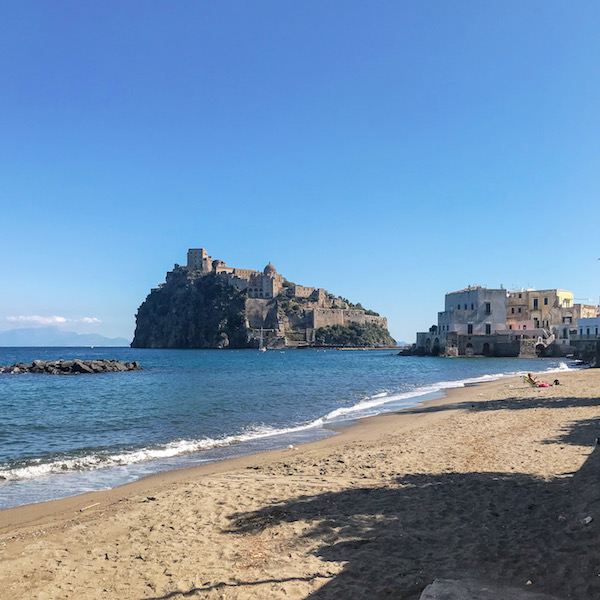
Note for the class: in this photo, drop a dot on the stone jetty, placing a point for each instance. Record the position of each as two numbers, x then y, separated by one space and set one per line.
71 367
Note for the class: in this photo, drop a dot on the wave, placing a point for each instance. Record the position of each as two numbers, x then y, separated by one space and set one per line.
370 406
92 462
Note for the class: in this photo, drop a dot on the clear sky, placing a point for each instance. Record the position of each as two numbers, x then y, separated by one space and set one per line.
388 151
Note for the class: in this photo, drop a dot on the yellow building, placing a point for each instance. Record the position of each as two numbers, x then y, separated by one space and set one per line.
542 303
538 309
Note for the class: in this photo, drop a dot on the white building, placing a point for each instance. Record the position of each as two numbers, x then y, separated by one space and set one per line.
474 311
588 328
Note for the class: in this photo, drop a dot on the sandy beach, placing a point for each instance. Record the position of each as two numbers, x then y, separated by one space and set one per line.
495 481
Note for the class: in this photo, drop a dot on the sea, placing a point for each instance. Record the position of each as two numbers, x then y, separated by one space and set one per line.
62 435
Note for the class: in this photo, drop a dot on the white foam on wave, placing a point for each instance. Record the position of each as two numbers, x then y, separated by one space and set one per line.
378 400
562 366
381 399
366 407
92 462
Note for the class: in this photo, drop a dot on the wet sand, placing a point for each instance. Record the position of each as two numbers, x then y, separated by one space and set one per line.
494 481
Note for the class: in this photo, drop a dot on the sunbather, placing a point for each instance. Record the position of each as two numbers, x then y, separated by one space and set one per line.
531 380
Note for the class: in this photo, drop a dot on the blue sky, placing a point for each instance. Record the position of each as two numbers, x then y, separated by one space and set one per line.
387 151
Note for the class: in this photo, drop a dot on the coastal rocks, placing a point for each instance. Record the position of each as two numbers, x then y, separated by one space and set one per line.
71 367
468 589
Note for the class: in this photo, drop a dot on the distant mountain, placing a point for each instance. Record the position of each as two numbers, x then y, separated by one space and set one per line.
52 336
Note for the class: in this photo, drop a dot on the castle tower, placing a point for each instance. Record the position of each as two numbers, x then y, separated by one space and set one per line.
198 258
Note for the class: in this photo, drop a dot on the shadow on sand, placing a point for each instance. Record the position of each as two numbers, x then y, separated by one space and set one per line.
395 539
511 528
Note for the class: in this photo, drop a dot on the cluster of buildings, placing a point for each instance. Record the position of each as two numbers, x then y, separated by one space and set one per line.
500 322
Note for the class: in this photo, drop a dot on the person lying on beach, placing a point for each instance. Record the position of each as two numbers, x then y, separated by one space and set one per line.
531 380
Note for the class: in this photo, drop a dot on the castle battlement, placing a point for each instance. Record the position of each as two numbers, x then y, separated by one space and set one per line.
313 308
257 284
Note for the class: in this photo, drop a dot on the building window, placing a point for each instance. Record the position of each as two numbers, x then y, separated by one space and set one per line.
488 329
510 326
465 307
488 308
587 331
470 328
512 310
524 327
519 309
545 301
472 306
535 303
565 334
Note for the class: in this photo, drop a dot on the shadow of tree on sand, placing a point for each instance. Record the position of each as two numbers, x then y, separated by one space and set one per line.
396 539
194 591
542 401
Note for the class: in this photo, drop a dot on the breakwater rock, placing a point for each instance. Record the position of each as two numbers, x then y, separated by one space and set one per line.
71 367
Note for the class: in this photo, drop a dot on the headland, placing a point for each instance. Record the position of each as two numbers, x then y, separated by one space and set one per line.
206 304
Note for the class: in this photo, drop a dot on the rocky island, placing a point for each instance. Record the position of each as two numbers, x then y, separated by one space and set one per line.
206 304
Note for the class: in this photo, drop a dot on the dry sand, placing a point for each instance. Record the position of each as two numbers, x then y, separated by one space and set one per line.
493 481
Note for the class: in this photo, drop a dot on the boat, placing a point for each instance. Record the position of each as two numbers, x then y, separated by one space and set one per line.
261 346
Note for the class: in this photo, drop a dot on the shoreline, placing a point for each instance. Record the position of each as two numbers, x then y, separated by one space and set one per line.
117 475
344 431
356 429
491 481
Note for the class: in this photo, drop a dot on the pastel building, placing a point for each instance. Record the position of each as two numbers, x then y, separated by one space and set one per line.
473 311
536 309
551 311
588 328
469 318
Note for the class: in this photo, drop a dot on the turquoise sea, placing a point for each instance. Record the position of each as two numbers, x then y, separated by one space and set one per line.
64 435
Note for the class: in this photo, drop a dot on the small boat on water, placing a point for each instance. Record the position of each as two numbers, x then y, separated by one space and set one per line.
261 346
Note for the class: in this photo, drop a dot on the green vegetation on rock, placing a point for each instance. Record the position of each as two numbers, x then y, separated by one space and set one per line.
354 335
359 306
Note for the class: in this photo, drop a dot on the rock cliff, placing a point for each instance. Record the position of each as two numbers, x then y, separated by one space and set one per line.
190 311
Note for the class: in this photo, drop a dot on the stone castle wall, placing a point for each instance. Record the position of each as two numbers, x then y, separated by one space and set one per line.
354 316
381 321
325 317
301 291
260 314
